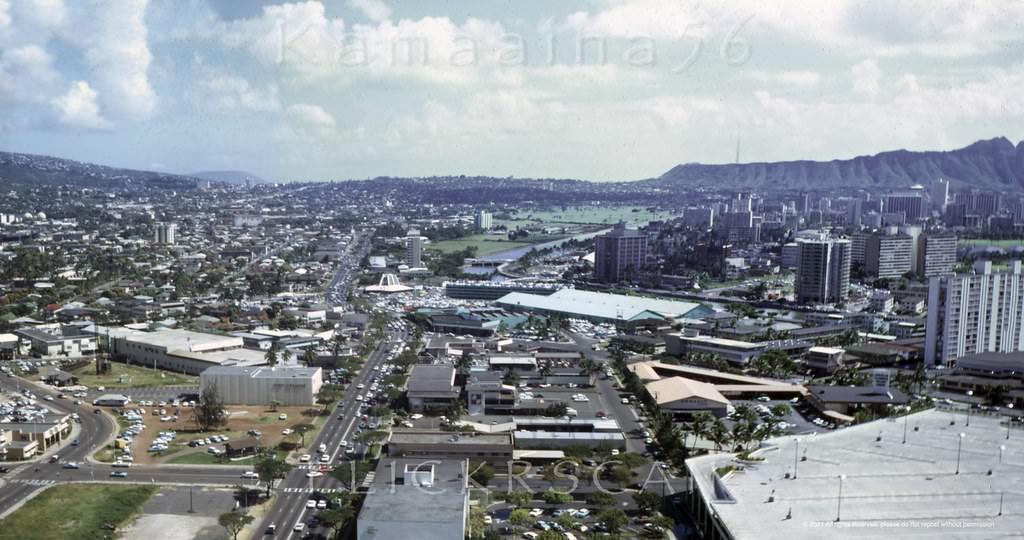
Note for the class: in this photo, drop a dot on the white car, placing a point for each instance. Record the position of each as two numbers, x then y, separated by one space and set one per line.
314 474
299 527
536 512
325 458
250 474
304 458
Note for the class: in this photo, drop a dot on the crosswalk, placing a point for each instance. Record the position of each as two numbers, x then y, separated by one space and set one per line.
34 481
311 490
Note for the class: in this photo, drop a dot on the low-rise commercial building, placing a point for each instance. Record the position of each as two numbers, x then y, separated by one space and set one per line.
495 448
58 340
413 498
679 396
431 387
240 385
179 350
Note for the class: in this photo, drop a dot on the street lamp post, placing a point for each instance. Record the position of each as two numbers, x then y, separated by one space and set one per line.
1001 448
906 420
970 393
959 446
1009 420
796 456
839 502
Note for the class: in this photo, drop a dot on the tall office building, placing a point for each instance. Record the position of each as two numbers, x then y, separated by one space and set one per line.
936 254
888 256
619 254
483 221
911 204
823 273
974 313
414 248
979 203
854 211
940 195
699 217
164 233
742 201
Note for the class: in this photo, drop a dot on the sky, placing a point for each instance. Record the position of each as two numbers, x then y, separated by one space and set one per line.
598 90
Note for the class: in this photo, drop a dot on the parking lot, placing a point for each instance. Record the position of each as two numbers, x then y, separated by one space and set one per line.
178 513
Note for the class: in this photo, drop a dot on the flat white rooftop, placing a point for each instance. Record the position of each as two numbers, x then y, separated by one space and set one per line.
890 490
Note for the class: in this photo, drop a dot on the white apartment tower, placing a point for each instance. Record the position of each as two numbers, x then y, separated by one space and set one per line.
164 233
483 221
414 248
973 313
823 272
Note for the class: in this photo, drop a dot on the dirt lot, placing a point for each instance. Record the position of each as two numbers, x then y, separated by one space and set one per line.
241 420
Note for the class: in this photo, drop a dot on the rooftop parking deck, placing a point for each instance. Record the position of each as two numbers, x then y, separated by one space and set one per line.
935 485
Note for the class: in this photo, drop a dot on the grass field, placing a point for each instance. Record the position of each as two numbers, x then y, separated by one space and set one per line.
485 244
585 215
75 511
125 376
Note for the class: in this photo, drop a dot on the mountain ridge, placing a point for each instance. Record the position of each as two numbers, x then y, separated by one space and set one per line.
994 164
37 169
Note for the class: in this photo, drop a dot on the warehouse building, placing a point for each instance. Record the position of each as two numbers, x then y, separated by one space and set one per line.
179 350
240 385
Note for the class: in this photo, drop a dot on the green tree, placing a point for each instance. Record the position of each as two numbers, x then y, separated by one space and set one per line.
482 473
552 496
621 474
520 517
718 434
302 430
647 501
234 522
699 424
519 497
601 498
271 470
209 413
337 519
271 356
274 404
309 357
613 518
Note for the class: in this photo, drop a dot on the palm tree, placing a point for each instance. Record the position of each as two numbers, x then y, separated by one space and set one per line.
920 377
309 357
699 424
271 356
718 434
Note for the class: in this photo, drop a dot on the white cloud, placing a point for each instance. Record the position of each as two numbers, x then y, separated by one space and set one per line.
114 41
27 74
942 28
5 14
789 78
634 18
294 33
78 107
375 10
225 93
312 116
867 77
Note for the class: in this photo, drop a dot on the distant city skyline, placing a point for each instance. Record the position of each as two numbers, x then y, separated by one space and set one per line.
595 90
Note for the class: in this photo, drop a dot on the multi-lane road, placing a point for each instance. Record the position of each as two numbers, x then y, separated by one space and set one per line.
93 431
290 506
